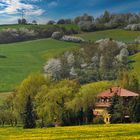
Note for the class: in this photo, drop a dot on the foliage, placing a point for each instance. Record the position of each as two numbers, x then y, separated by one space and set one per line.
73 39
133 27
57 35
129 81
91 62
98 120
135 109
31 32
84 101
55 106
28 114
117 110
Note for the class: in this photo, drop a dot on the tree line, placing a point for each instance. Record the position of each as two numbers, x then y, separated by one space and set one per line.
40 101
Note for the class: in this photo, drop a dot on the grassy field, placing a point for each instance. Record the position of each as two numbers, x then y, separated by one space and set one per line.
16 26
136 64
118 34
94 132
17 60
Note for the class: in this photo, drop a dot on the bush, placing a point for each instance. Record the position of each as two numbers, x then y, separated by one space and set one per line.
133 27
57 35
98 120
14 35
73 39
137 39
86 26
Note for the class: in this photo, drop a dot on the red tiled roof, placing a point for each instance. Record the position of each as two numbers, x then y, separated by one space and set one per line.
119 91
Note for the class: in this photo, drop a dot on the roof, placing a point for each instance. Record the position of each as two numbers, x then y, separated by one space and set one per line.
119 91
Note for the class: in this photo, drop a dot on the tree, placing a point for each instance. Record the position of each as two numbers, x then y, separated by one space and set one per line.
135 109
61 21
116 110
129 81
23 21
29 87
29 115
54 68
106 17
51 22
19 21
56 100
34 22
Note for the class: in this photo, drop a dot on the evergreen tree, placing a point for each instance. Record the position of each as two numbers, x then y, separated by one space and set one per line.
135 110
115 100
116 110
29 116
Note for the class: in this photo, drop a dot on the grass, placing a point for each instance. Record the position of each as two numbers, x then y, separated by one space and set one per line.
17 26
136 64
117 34
94 132
18 60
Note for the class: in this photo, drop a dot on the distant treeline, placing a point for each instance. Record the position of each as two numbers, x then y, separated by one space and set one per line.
86 23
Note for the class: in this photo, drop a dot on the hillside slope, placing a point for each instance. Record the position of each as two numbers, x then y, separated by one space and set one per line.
117 34
136 64
17 60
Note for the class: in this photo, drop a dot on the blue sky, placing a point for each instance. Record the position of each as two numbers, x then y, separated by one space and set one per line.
44 10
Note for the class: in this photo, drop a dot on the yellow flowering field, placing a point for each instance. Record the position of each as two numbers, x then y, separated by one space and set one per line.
99 132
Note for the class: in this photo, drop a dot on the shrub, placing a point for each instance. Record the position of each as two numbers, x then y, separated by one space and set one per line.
73 39
137 39
133 27
57 35
98 120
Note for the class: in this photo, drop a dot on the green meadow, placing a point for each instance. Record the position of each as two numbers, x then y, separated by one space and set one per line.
31 26
136 64
92 132
18 60
117 34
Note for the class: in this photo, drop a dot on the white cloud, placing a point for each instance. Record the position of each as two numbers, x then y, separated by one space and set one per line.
13 7
52 4
37 12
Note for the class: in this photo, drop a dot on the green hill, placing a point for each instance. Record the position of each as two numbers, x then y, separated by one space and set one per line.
45 26
136 64
17 60
117 34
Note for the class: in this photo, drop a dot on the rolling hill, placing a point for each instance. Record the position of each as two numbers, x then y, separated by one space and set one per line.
17 60
136 64
31 26
116 34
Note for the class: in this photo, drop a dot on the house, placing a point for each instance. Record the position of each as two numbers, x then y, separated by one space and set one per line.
104 100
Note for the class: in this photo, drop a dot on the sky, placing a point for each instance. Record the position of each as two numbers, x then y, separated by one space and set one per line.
45 10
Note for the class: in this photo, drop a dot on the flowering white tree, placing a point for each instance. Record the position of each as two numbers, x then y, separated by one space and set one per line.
137 39
53 68
73 72
70 59
123 56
